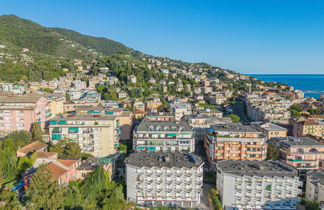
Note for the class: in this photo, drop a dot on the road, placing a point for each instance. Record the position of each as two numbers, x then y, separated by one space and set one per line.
238 109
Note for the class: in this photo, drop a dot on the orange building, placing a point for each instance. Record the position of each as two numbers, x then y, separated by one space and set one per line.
234 142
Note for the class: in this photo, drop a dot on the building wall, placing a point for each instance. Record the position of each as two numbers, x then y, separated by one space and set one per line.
156 187
303 158
97 140
235 148
158 141
253 191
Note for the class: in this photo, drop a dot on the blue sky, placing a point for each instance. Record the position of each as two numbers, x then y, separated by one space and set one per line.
248 36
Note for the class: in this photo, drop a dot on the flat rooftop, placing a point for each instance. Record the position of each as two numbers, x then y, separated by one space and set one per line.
152 125
300 142
256 168
84 117
161 159
31 98
234 127
317 175
269 126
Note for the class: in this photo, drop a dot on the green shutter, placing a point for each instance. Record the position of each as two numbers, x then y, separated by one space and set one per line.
140 147
57 130
171 134
62 122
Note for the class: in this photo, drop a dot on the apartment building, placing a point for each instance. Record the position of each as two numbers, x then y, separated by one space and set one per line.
303 153
97 135
125 118
234 141
308 127
164 179
181 109
273 109
315 186
270 130
245 184
20 112
163 133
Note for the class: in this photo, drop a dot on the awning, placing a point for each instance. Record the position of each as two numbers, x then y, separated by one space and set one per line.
73 130
53 122
56 136
151 148
171 134
62 122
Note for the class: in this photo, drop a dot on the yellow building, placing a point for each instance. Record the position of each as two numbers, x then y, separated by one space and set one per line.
56 106
308 127
270 130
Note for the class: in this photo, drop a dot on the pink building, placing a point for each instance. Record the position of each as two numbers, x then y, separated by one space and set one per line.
20 112
303 153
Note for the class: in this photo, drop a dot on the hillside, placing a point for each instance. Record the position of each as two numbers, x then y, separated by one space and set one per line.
30 51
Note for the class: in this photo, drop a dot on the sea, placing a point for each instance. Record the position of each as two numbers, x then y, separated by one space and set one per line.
303 82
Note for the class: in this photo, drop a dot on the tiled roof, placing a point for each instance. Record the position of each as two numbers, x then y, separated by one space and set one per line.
20 99
57 170
32 147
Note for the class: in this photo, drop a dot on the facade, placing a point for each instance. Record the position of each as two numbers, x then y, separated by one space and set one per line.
56 106
163 133
303 153
20 112
234 141
97 135
273 109
181 109
315 186
164 179
64 170
308 127
270 130
245 184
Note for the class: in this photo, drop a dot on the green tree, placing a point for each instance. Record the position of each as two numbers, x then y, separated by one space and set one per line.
294 113
37 132
9 200
122 147
66 148
234 117
20 138
8 159
314 111
73 197
44 191
215 198
25 163
272 152
67 97
297 107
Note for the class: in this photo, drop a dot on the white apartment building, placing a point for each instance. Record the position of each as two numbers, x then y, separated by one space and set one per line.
157 133
181 109
315 186
96 135
245 184
164 179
